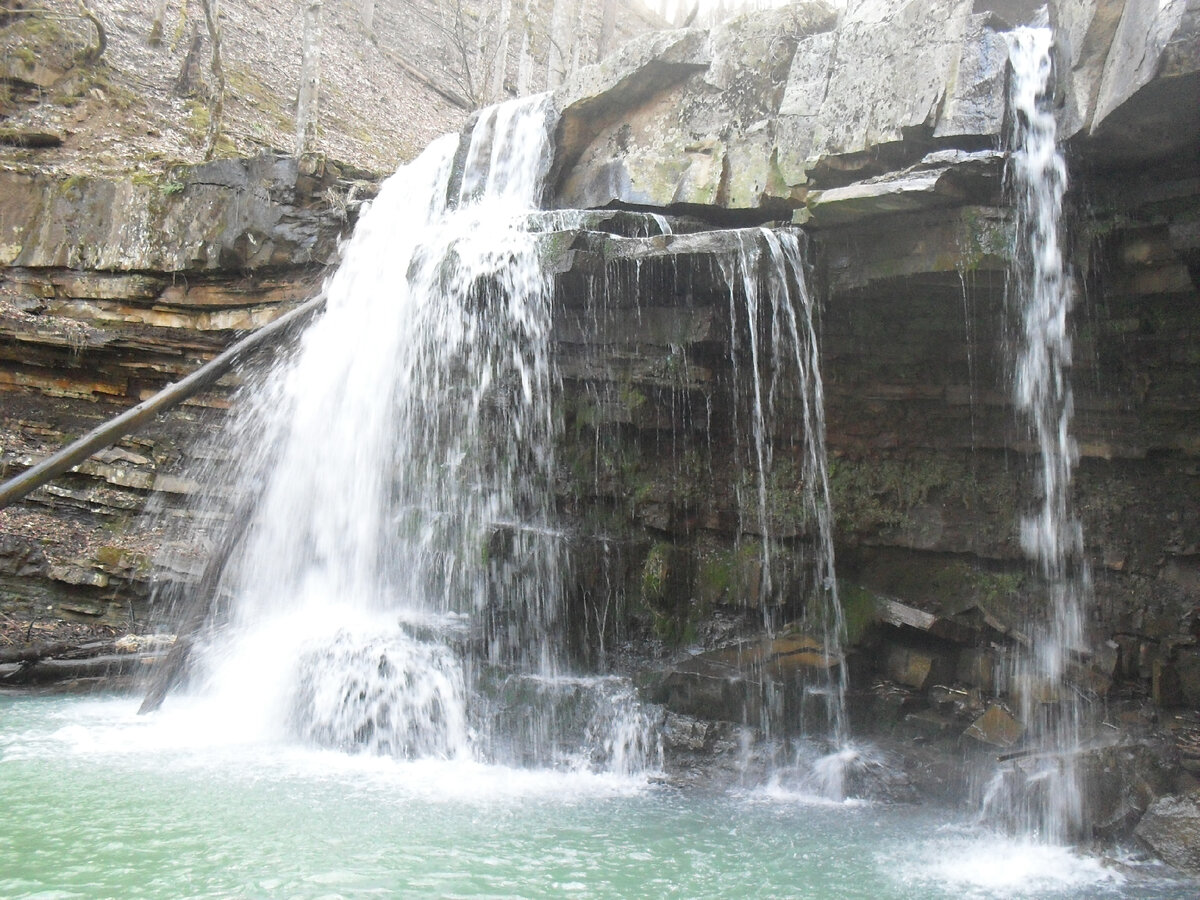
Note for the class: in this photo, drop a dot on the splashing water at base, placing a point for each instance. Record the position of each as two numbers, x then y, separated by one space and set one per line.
985 867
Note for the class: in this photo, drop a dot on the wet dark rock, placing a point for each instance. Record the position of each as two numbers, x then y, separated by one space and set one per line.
1171 830
1186 665
996 727
713 687
1121 781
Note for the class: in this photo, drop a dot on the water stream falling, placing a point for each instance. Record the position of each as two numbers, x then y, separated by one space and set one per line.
782 363
1041 795
399 586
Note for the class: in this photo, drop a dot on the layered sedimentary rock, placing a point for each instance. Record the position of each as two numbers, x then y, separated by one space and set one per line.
111 290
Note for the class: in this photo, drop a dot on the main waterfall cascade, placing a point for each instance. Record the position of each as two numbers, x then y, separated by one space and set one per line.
399 585
1041 794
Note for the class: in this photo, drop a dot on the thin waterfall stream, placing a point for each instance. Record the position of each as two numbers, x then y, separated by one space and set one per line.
1040 794
767 284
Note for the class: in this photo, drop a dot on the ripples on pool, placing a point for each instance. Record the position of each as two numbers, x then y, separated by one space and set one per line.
99 803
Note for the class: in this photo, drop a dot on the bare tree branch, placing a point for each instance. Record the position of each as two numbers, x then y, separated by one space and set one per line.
93 54
308 100
216 100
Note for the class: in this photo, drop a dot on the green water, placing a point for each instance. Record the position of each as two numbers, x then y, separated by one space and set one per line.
98 803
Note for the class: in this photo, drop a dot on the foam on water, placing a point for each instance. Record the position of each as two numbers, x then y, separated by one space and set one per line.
186 737
990 866
779 791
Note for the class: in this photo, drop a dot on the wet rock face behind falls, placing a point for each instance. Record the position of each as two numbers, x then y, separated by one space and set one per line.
878 131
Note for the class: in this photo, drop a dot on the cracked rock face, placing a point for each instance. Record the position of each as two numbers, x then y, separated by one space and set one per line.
1171 828
752 115
239 213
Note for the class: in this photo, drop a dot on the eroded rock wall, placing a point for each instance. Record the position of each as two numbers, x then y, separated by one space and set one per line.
111 289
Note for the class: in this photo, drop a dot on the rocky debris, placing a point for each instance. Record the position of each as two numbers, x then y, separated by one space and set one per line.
996 727
1171 830
19 631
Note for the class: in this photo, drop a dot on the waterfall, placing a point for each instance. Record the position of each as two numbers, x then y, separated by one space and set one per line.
1042 793
781 363
400 570
399 580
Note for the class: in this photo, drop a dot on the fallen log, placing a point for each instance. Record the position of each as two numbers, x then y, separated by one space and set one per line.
172 395
57 650
48 671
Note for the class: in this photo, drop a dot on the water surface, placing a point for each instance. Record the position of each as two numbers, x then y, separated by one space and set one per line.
100 803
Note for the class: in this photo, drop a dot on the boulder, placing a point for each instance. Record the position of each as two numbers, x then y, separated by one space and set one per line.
996 727
1119 782
916 668
1171 830
977 669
